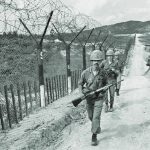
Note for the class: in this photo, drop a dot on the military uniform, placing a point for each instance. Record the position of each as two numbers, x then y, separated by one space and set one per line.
118 67
90 82
112 73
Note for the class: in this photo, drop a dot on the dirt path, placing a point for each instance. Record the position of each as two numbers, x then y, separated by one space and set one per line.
128 127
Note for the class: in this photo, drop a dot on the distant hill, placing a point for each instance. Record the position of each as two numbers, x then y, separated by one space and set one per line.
128 27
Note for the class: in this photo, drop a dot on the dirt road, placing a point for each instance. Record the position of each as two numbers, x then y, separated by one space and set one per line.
128 127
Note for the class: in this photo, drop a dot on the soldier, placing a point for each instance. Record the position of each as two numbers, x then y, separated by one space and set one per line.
148 61
147 64
110 66
118 67
92 79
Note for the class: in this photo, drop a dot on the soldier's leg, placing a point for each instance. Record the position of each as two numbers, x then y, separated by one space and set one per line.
97 116
112 95
90 109
118 84
106 101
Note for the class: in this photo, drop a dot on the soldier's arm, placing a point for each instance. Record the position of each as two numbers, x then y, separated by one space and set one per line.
115 68
81 83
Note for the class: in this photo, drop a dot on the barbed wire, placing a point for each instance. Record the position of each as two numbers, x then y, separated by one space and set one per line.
18 53
35 13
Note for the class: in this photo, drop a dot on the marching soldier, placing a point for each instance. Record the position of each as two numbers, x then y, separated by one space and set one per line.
148 64
110 66
92 79
118 67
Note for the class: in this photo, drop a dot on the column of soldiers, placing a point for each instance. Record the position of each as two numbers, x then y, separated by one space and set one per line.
100 73
114 70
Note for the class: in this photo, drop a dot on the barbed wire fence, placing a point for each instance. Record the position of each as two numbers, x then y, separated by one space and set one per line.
18 49
22 25
26 51
30 46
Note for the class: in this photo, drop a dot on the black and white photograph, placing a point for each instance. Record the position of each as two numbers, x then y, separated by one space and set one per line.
74 74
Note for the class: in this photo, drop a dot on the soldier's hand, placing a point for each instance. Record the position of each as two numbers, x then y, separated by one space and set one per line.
85 91
104 90
99 94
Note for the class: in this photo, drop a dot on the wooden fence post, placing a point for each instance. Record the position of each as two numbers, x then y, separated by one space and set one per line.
63 86
53 94
19 101
84 57
35 92
1 117
47 90
30 95
14 103
50 90
75 77
66 81
7 105
25 98
55 88
60 86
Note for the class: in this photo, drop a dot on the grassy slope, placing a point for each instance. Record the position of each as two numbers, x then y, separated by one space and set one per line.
18 60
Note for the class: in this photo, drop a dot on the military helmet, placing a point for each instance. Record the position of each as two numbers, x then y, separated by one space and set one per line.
117 53
96 55
110 52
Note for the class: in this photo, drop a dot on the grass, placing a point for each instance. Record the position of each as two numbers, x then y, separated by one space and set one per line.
18 58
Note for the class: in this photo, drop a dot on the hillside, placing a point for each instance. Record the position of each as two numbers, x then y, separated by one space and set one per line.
128 27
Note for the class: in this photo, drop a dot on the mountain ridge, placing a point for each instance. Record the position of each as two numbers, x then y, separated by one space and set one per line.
128 27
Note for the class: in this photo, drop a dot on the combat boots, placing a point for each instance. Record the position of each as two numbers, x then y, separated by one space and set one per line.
111 110
117 92
94 140
106 108
111 107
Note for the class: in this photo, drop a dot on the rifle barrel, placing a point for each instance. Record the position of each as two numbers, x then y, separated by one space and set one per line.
76 101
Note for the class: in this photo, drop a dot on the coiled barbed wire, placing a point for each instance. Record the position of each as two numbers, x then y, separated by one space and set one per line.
35 13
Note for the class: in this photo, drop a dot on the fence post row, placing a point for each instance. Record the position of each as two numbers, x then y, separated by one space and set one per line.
56 88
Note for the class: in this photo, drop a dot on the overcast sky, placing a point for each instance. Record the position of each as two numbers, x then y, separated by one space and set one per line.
112 11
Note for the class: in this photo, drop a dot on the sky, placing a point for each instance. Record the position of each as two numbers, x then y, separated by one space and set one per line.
112 11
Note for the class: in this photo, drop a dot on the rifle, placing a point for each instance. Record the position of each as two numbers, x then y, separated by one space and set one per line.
76 101
146 71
